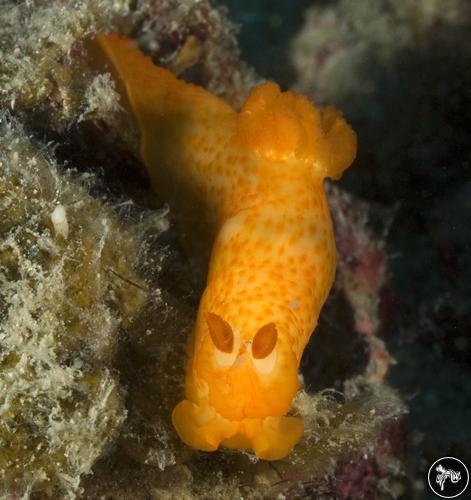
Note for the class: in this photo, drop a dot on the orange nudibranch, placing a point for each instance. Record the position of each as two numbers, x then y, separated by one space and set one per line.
253 182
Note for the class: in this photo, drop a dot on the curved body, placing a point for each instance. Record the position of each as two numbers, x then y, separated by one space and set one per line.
252 182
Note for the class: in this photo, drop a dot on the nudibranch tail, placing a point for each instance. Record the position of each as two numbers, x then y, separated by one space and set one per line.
253 182
178 140
171 114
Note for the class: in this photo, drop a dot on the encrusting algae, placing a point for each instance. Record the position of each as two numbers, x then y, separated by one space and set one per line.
254 180
61 304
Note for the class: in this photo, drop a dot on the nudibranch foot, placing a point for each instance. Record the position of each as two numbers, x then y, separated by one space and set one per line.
271 438
201 427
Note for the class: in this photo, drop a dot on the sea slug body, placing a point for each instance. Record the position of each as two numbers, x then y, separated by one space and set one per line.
253 182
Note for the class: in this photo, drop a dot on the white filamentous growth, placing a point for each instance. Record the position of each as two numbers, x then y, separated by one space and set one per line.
59 220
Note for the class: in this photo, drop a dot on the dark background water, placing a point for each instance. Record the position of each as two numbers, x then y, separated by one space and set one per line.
267 27
416 137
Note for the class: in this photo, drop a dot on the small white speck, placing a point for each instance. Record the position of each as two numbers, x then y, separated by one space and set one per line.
59 221
294 304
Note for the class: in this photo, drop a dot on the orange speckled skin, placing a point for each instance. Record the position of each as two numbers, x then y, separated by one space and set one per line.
252 181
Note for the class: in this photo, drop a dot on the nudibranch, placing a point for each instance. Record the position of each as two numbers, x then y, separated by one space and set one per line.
252 180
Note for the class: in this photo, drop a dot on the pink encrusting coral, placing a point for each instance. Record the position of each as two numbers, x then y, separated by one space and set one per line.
363 274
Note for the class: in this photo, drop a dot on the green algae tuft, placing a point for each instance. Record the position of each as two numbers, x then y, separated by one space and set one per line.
62 302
